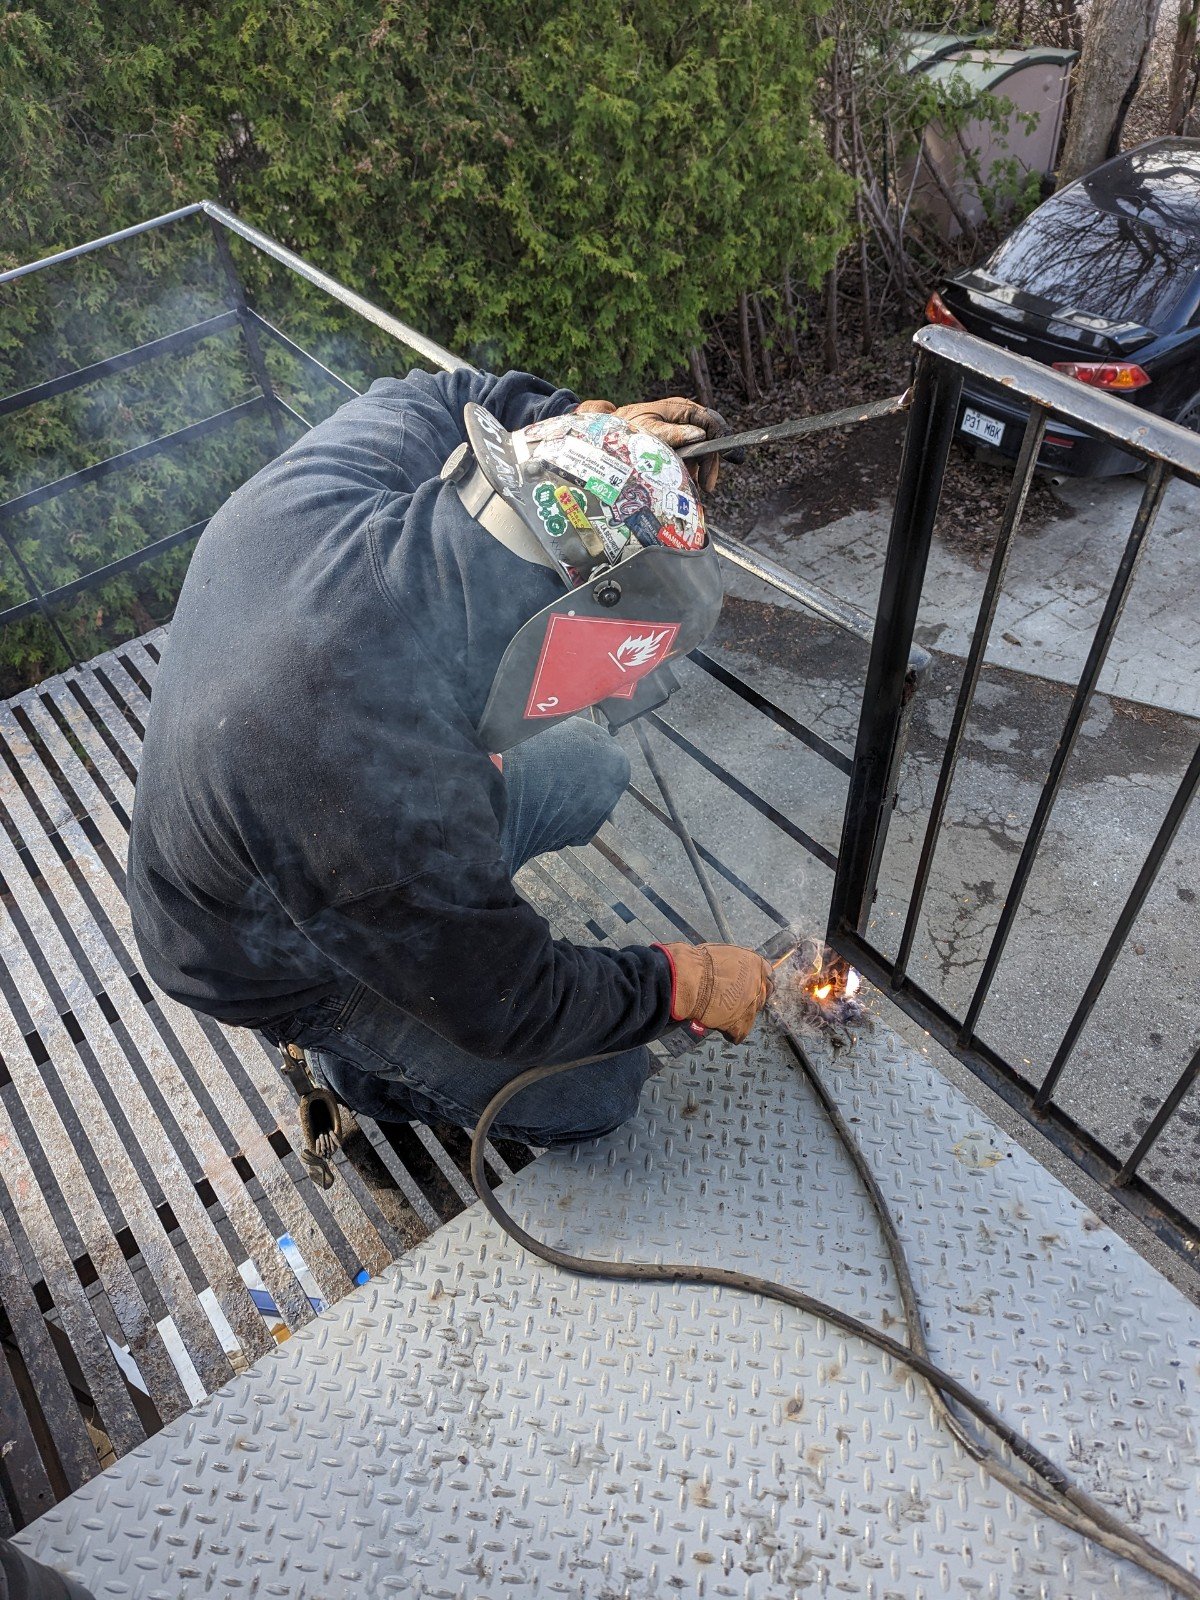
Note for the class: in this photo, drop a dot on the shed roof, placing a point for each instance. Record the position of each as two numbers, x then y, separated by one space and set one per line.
985 70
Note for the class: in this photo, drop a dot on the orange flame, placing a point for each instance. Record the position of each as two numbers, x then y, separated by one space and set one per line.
839 982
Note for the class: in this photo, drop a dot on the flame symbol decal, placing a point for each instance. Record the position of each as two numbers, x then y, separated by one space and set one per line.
639 650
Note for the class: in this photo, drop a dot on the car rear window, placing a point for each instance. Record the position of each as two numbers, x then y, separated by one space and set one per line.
1083 259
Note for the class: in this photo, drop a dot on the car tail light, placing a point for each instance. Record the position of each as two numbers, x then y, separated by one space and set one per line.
1105 374
936 310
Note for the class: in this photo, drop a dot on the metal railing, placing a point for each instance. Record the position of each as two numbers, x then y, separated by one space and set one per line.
256 331
47 600
1168 451
895 667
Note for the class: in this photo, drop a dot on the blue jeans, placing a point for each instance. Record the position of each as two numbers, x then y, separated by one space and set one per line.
562 784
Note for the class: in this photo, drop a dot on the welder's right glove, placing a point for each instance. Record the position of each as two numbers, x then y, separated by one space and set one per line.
719 986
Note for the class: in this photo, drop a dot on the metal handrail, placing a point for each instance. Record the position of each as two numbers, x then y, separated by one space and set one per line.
1135 430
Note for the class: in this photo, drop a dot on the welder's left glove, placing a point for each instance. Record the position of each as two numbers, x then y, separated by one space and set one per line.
676 422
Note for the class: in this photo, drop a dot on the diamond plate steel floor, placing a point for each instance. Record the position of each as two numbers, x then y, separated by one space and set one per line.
474 1423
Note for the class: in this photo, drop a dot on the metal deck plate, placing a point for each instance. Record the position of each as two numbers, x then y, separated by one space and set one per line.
474 1423
157 1230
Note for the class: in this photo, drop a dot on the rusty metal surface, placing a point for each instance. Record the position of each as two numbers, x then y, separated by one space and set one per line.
150 1186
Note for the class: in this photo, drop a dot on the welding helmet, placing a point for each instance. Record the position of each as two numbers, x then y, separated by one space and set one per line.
613 511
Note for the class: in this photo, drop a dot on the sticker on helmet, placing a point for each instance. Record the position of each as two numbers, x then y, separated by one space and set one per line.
633 497
604 492
583 461
493 438
645 525
574 507
551 428
616 542
546 502
586 659
679 538
656 460
617 444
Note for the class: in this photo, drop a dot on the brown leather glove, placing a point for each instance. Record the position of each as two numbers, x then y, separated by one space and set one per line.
676 422
719 986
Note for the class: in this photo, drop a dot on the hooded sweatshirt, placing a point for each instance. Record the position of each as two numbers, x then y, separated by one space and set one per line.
314 808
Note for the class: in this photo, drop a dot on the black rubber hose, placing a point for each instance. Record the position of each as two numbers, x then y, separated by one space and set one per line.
1127 1542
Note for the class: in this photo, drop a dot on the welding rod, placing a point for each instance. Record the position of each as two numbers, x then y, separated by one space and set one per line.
796 427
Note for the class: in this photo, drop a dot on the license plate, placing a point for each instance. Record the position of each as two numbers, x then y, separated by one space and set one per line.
989 429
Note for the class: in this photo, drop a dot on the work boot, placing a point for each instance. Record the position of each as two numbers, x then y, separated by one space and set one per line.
321 1122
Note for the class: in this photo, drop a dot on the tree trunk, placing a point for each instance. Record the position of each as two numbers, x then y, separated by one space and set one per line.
764 353
700 377
789 301
1183 67
860 222
830 340
1115 44
749 381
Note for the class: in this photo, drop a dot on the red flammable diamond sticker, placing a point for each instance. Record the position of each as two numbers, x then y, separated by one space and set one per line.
585 659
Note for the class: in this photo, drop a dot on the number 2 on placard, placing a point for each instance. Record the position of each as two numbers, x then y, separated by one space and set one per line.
548 705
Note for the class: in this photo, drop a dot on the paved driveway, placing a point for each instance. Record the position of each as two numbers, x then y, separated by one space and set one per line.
1057 581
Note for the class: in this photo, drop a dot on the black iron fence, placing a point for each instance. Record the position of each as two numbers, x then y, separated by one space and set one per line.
1167 451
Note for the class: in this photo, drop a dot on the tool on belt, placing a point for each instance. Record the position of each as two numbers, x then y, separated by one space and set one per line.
321 1122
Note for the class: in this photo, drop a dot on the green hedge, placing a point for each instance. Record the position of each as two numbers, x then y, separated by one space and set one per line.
570 187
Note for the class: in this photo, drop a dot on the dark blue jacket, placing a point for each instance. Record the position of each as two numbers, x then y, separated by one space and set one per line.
314 808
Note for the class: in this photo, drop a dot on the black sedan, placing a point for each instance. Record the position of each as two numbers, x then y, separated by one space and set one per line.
1103 283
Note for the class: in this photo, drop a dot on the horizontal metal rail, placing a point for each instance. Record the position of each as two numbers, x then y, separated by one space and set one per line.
744 792
428 349
53 598
168 344
1140 432
44 263
798 427
732 878
782 719
431 351
302 355
128 458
